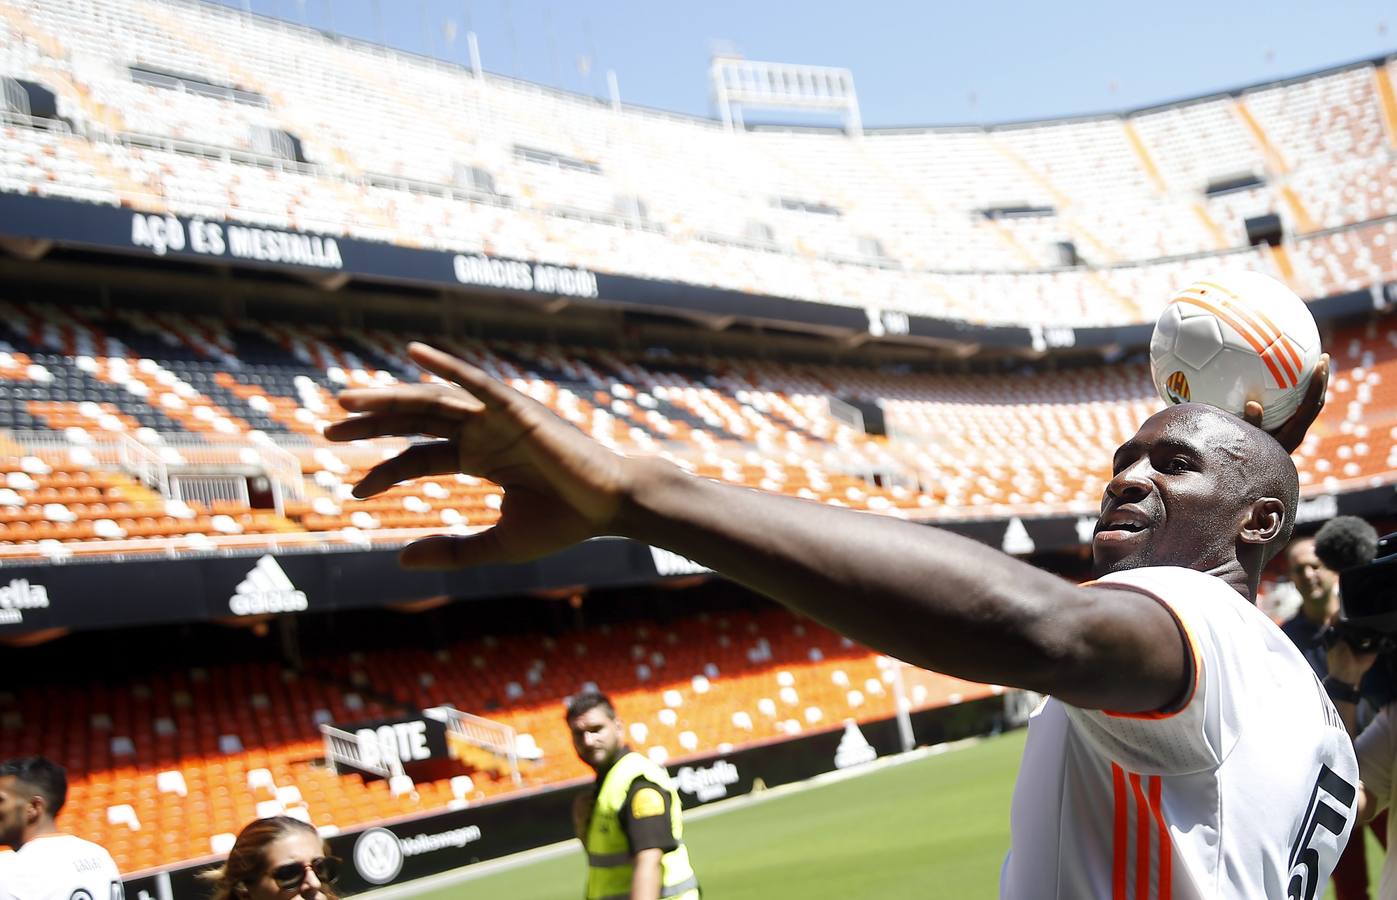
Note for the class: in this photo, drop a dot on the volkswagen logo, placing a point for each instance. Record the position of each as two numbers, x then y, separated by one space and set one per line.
378 856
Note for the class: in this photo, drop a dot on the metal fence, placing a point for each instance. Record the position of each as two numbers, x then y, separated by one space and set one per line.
178 466
487 734
342 748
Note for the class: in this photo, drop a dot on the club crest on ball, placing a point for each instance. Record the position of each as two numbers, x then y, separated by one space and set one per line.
1176 387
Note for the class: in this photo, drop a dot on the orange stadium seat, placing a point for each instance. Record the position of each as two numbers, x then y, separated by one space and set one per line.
768 671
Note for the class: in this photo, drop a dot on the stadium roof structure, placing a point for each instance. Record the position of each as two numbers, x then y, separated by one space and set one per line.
477 70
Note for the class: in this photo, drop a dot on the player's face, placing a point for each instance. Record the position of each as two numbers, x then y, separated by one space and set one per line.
597 737
14 810
1174 497
1314 582
295 865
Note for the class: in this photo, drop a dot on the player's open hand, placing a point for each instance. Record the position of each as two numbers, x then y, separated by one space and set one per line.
560 486
1292 432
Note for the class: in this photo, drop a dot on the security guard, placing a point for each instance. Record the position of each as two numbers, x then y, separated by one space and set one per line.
630 823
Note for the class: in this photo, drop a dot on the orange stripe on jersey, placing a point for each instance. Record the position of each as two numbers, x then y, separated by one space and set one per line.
1189 639
1166 846
1256 344
1142 840
1118 862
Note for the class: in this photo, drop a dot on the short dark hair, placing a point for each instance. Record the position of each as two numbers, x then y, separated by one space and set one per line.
44 776
586 701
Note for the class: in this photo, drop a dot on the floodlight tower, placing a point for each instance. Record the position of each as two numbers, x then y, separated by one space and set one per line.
739 83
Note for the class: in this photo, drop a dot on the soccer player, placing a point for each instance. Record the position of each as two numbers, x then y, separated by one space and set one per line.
1187 749
630 823
46 864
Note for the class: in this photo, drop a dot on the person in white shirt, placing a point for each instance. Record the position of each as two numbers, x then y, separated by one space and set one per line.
1187 750
47 864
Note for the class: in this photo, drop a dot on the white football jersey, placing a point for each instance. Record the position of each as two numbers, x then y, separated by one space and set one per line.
59 867
1246 791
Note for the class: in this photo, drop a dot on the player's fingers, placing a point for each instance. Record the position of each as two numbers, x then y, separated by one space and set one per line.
1251 413
1292 433
436 399
490 391
451 552
394 424
1319 383
437 458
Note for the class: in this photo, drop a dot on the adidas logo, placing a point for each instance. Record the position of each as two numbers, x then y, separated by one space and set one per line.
1017 540
854 749
266 589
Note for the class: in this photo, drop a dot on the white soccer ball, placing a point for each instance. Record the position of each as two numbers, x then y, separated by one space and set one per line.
1233 338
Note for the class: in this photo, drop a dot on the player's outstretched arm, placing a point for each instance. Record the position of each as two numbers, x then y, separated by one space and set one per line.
921 594
1292 432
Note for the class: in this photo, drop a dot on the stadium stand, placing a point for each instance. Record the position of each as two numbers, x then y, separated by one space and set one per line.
128 430
278 126
190 387
89 434
173 763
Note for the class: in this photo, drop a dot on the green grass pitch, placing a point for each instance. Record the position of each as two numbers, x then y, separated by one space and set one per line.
936 827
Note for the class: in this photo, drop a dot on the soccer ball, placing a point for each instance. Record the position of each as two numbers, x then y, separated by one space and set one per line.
1233 338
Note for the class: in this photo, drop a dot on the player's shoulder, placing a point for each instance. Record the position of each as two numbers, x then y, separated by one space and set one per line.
1164 577
1182 589
62 846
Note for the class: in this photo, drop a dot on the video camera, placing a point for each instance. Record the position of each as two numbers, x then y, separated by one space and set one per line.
1367 567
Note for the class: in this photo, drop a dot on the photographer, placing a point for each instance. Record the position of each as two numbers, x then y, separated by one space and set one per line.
1308 629
1376 746
1365 634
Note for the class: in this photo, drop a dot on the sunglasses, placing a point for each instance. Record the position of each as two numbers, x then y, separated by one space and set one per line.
289 876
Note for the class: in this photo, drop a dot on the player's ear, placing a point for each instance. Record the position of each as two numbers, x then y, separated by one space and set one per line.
1264 523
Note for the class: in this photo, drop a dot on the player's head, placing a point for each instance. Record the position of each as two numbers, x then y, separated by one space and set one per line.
1199 488
278 858
32 791
1315 581
597 733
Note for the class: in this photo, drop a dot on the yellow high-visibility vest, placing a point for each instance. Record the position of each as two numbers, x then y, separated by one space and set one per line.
609 862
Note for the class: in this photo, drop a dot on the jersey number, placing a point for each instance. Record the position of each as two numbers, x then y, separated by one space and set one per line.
1304 858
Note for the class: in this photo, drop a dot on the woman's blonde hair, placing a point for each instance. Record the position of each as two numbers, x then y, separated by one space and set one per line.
247 861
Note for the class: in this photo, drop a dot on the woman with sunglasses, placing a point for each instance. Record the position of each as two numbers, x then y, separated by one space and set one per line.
276 859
